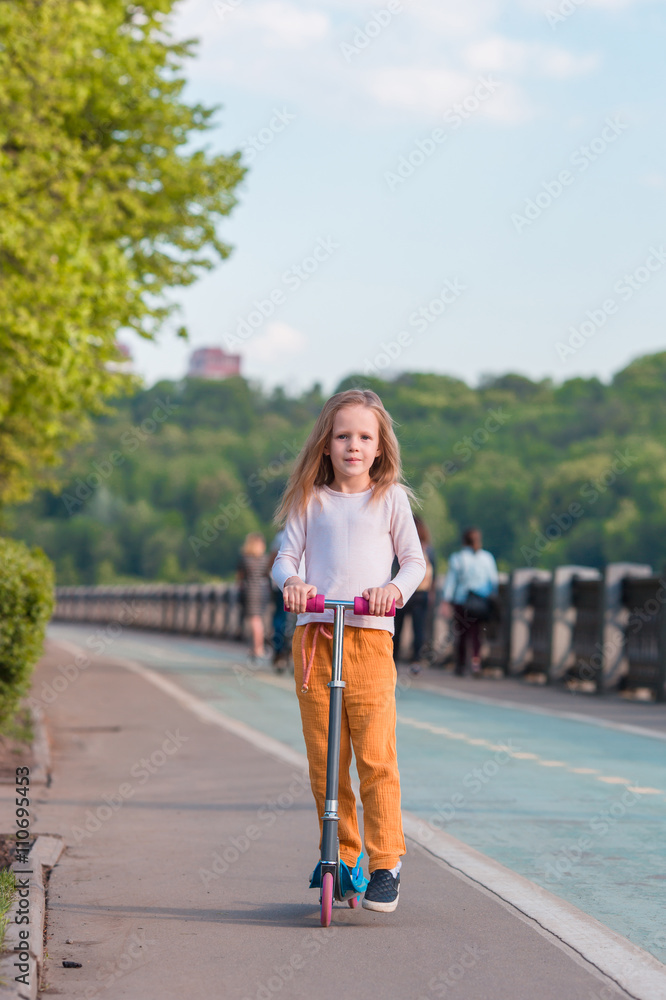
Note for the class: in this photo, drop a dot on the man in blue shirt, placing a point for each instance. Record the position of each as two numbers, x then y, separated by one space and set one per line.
471 580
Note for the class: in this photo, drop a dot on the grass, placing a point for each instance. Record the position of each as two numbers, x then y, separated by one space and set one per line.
19 729
7 893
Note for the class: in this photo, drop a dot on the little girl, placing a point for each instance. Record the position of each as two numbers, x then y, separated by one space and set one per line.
348 515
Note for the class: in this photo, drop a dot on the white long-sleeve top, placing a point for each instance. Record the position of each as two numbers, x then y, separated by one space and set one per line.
470 570
349 544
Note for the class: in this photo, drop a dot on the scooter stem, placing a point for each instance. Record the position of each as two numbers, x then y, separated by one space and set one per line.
329 842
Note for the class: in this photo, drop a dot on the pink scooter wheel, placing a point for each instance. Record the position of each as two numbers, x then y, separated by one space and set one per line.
353 902
326 899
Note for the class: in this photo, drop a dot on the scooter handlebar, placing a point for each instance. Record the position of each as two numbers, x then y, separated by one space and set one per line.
362 607
315 606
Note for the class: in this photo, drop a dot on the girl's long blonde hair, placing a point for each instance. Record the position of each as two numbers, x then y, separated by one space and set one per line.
313 468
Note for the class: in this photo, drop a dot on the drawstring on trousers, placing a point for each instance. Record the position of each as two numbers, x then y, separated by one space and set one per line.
307 667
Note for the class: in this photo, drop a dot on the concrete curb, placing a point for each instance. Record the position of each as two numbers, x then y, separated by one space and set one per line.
45 853
630 966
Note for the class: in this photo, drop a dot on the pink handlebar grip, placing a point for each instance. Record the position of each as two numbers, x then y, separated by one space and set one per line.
315 605
362 607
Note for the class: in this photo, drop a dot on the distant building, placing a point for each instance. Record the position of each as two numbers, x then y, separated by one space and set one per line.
213 363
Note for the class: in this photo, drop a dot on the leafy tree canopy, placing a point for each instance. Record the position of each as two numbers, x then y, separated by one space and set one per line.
104 206
180 472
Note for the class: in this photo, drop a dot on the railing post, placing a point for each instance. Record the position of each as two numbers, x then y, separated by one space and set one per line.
612 648
522 617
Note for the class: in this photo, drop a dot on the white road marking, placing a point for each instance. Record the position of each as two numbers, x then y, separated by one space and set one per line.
518 754
590 720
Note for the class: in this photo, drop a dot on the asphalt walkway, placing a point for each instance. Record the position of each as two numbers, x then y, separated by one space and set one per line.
185 874
573 802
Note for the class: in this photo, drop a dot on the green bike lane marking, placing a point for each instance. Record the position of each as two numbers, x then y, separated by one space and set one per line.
576 808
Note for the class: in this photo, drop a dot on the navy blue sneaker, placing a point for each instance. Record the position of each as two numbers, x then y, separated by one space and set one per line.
382 892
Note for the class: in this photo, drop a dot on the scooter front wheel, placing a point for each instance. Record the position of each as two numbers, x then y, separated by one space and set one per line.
353 902
326 899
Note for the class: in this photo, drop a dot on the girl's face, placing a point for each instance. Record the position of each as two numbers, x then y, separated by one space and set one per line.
353 446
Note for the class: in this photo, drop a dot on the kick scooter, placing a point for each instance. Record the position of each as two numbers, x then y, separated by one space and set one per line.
330 849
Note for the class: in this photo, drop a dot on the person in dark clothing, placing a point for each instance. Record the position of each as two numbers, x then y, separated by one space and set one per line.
252 576
418 604
282 627
472 574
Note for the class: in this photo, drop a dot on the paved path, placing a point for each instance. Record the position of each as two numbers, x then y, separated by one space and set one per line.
578 807
138 896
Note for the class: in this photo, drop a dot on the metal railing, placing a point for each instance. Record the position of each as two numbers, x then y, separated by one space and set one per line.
573 626
645 634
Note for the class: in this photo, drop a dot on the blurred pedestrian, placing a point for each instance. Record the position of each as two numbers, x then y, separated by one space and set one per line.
470 585
418 604
283 622
252 577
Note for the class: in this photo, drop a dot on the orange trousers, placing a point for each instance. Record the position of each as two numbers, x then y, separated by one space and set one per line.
368 724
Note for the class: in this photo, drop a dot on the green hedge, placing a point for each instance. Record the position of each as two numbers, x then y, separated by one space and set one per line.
26 604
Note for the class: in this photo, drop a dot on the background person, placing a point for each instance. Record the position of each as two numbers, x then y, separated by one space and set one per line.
418 604
471 581
283 622
252 577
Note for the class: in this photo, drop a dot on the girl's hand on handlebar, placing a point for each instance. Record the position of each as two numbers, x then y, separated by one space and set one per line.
380 599
297 594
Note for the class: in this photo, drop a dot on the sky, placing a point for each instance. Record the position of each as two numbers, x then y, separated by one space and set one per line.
463 188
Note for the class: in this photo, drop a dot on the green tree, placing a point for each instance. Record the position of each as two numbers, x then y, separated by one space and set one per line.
511 456
104 206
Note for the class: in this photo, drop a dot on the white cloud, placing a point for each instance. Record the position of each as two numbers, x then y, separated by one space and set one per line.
561 64
274 345
283 24
614 4
554 5
509 106
423 61
496 54
447 18
654 180
502 55
412 88
429 93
